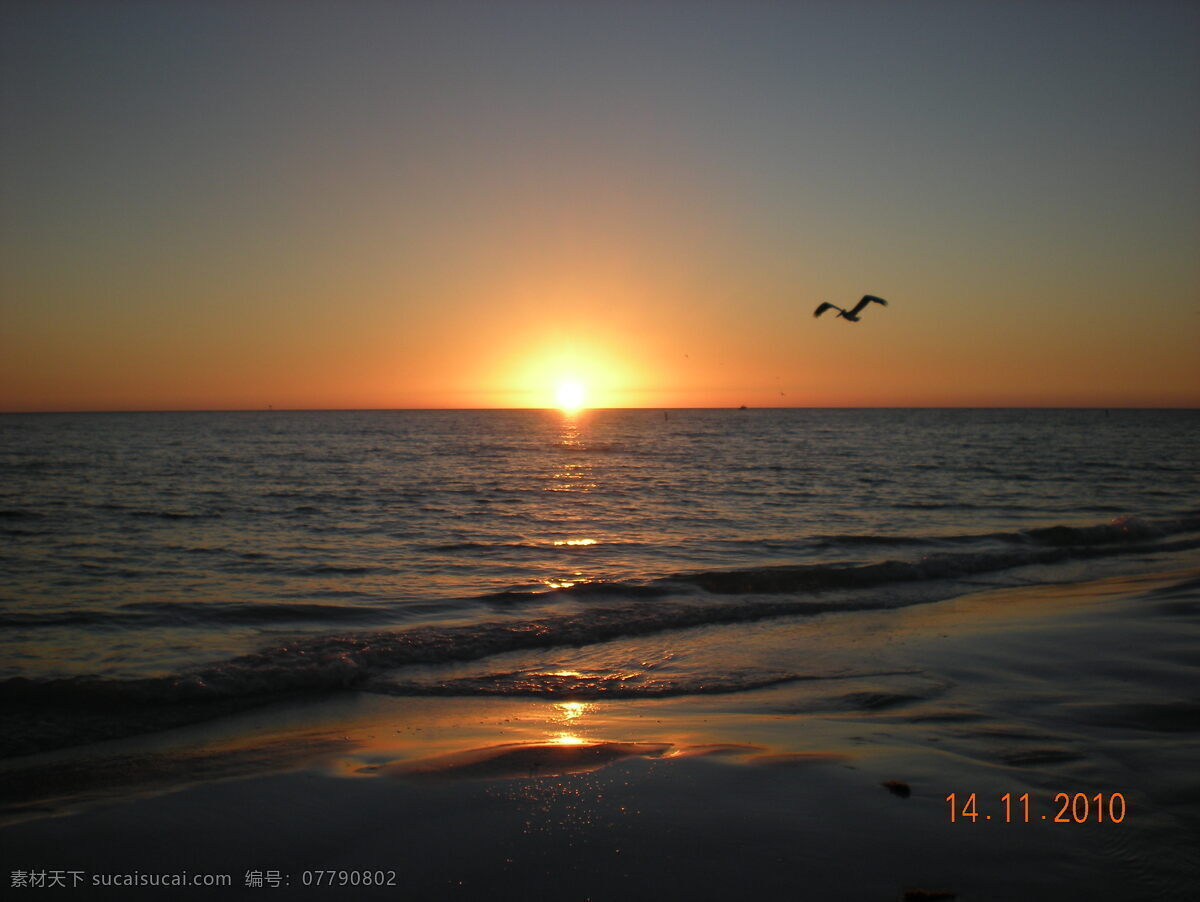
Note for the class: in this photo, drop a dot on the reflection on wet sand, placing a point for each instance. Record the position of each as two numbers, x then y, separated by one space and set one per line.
65 783
559 752
566 755
422 739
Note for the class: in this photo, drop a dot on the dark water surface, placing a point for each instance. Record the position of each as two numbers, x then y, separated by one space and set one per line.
208 556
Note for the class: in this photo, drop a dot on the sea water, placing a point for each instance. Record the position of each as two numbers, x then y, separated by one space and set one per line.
159 558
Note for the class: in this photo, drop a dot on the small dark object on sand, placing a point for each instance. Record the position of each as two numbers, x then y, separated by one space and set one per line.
925 895
898 788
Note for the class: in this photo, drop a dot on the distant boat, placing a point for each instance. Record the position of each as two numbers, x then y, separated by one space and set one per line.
851 315
743 407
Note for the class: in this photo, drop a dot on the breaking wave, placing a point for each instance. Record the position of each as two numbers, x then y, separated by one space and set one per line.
344 656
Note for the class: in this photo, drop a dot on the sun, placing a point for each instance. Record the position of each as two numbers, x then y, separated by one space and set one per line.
570 395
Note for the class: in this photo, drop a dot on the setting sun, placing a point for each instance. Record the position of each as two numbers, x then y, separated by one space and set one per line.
570 395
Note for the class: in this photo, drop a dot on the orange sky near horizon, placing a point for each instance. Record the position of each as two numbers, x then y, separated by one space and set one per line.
452 206
894 357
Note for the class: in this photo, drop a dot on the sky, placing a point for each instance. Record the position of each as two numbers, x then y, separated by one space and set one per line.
236 205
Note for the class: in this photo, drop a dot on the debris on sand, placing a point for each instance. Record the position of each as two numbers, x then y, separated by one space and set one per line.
897 788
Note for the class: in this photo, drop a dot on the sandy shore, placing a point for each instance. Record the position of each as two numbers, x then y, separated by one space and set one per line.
777 793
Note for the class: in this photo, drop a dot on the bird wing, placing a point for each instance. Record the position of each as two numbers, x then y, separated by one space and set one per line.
866 299
825 307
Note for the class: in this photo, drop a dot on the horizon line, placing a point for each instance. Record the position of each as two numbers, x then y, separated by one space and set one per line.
604 409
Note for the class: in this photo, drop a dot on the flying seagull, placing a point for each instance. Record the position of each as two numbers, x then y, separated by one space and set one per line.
851 315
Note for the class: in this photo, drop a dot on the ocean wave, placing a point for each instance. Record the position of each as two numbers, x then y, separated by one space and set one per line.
579 447
586 686
347 661
803 578
448 547
338 660
20 533
332 570
67 618
332 662
598 587
143 614
173 515
1119 530
254 613
995 552
834 541
1045 545
934 505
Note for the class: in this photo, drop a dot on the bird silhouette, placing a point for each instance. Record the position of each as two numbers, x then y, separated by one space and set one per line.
851 315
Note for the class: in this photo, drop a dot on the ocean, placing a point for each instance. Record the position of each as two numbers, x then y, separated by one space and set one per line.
167 567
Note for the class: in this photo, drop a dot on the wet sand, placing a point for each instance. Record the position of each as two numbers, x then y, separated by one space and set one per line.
776 793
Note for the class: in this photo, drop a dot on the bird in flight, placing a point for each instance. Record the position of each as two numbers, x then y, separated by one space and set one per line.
851 315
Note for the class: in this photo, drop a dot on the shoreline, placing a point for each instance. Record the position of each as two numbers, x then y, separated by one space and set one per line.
780 791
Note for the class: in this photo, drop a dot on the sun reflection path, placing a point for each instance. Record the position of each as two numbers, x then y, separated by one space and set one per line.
572 475
575 477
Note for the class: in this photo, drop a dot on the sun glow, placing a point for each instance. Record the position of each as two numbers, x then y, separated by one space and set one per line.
570 395
572 375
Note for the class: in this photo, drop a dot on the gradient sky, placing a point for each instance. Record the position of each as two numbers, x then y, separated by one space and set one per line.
326 205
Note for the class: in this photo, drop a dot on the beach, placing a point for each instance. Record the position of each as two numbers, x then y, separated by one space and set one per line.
1080 688
521 655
